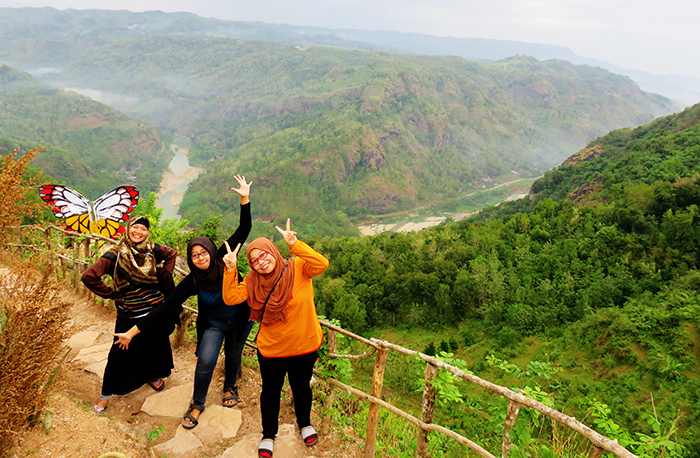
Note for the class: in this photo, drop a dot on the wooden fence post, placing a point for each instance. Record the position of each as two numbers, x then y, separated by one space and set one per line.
511 418
47 241
330 392
373 418
83 267
428 410
76 266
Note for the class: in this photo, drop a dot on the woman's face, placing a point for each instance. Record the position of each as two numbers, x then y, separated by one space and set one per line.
200 257
262 261
138 233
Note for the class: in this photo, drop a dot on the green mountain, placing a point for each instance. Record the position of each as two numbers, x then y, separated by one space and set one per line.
329 136
60 30
664 150
587 293
91 146
332 134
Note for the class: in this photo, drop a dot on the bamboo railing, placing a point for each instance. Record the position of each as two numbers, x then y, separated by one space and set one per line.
77 263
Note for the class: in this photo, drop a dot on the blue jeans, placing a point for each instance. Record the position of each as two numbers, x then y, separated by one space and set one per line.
208 354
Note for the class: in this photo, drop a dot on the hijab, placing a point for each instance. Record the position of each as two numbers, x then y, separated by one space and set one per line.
260 285
136 262
211 279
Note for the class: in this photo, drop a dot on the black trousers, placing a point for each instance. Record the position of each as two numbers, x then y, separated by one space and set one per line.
299 370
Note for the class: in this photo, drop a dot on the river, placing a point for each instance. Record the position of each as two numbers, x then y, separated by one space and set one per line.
176 179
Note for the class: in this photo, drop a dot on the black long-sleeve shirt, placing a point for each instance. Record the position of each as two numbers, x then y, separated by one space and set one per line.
172 307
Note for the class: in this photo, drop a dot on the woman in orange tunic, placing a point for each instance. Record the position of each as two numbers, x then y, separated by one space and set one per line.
281 297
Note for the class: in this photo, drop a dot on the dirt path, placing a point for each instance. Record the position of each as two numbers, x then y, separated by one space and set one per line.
73 430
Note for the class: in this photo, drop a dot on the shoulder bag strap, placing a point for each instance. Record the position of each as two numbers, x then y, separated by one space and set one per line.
262 314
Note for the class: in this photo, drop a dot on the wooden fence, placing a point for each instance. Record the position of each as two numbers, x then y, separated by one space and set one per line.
81 258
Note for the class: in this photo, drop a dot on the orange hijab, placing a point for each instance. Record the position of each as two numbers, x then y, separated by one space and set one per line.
259 285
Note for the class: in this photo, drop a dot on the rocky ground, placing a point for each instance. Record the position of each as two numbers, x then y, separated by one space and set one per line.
146 423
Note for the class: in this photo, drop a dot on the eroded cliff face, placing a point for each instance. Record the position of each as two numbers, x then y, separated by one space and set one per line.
586 154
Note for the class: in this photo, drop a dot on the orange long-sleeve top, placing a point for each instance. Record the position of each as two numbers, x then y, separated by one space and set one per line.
301 333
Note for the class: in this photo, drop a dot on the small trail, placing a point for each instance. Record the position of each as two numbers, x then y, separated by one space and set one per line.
145 423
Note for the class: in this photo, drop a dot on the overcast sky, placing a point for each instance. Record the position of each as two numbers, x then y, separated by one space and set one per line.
658 36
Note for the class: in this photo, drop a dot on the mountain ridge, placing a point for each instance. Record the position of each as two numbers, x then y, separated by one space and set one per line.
682 88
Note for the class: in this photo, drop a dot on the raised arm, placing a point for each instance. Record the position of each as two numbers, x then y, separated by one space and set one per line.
314 263
245 224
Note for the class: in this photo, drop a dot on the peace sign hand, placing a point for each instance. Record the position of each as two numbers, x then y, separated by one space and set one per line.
231 257
289 235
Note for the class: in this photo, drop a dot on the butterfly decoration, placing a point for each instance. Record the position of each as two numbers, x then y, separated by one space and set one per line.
99 217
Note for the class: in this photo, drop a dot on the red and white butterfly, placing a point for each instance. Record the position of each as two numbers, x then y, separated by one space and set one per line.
100 217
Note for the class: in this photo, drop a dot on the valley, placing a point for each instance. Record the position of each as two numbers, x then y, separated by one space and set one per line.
534 222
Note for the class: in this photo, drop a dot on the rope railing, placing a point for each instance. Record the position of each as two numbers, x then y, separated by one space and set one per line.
599 442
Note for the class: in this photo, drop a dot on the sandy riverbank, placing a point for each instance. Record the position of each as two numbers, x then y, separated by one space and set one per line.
374 229
171 182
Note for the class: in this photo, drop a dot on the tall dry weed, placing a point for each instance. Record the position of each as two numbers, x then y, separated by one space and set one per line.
32 329
14 189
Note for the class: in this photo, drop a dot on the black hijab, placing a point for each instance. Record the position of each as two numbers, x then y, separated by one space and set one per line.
211 279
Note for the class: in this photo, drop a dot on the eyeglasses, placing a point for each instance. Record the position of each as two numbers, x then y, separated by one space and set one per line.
201 254
254 262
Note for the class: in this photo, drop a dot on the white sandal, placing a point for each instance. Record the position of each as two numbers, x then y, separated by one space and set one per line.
309 436
265 448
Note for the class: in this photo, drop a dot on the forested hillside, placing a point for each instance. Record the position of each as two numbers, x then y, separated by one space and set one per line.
329 135
597 277
90 145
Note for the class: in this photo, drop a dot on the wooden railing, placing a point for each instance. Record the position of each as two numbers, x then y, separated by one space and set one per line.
81 258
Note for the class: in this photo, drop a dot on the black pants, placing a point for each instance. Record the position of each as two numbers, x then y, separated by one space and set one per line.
273 370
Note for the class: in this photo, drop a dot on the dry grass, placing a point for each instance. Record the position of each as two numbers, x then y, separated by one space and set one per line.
14 189
32 328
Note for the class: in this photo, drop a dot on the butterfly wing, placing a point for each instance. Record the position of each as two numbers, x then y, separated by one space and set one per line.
64 201
114 208
116 204
79 223
109 210
109 228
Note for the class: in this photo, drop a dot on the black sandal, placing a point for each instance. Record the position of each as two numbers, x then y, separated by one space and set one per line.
232 397
157 387
188 416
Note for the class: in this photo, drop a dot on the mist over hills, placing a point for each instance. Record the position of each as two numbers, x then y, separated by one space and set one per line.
91 146
97 24
330 134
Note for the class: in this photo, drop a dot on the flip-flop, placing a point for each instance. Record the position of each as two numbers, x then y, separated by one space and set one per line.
188 416
157 387
98 410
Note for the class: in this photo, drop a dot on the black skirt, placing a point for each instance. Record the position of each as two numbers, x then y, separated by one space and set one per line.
148 358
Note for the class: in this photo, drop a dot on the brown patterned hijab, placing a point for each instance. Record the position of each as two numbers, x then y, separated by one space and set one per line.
136 262
259 285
